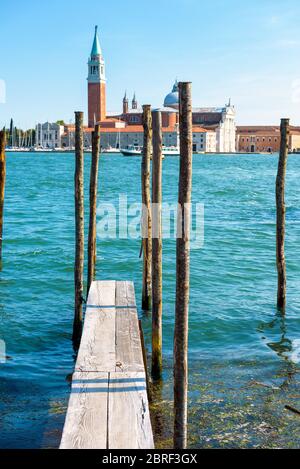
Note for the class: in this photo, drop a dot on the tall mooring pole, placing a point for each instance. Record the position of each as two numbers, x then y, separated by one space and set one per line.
79 228
146 215
156 246
183 267
280 214
92 252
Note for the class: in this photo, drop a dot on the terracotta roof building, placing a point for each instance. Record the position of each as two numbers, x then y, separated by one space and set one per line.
264 139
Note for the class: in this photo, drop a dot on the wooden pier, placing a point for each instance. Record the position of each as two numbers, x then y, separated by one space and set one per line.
108 406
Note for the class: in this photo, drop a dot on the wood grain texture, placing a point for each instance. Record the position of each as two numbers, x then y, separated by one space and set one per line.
146 211
183 267
97 349
129 356
280 213
79 228
86 421
156 368
92 239
128 403
108 406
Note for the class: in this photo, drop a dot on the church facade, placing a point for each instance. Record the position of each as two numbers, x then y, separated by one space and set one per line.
214 129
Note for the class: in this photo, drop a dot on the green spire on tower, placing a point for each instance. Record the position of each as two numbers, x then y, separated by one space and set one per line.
96 49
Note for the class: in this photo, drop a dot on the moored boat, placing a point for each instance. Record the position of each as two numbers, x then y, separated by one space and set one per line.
110 150
170 151
133 150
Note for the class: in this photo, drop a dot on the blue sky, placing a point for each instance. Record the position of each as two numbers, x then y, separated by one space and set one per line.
249 51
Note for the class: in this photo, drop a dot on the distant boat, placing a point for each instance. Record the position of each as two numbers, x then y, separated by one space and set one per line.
133 150
173 151
16 149
110 150
42 150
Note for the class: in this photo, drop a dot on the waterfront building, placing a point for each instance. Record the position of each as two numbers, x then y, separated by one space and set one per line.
264 139
68 137
48 135
214 129
222 122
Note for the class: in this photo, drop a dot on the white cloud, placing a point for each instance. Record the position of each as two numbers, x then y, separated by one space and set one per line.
296 91
273 20
288 43
2 92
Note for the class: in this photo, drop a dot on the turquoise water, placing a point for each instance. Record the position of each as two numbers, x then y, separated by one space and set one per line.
243 354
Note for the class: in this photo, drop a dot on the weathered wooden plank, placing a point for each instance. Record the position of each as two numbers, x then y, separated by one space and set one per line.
129 355
108 408
129 424
97 349
86 421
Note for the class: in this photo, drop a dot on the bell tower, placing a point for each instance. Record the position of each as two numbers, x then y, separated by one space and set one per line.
96 84
125 104
134 103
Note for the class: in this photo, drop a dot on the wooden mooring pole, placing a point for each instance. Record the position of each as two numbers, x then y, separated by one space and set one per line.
183 268
79 227
156 246
2 183
280 214
92 253
146 215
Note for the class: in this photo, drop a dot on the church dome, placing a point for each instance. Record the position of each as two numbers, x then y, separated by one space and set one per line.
172 99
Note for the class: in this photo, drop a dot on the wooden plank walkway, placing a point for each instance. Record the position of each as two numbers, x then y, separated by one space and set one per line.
108 406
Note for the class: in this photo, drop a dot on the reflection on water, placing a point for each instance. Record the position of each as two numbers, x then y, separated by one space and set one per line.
283 345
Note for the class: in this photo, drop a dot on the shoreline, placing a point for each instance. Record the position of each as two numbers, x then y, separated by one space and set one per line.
119 153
